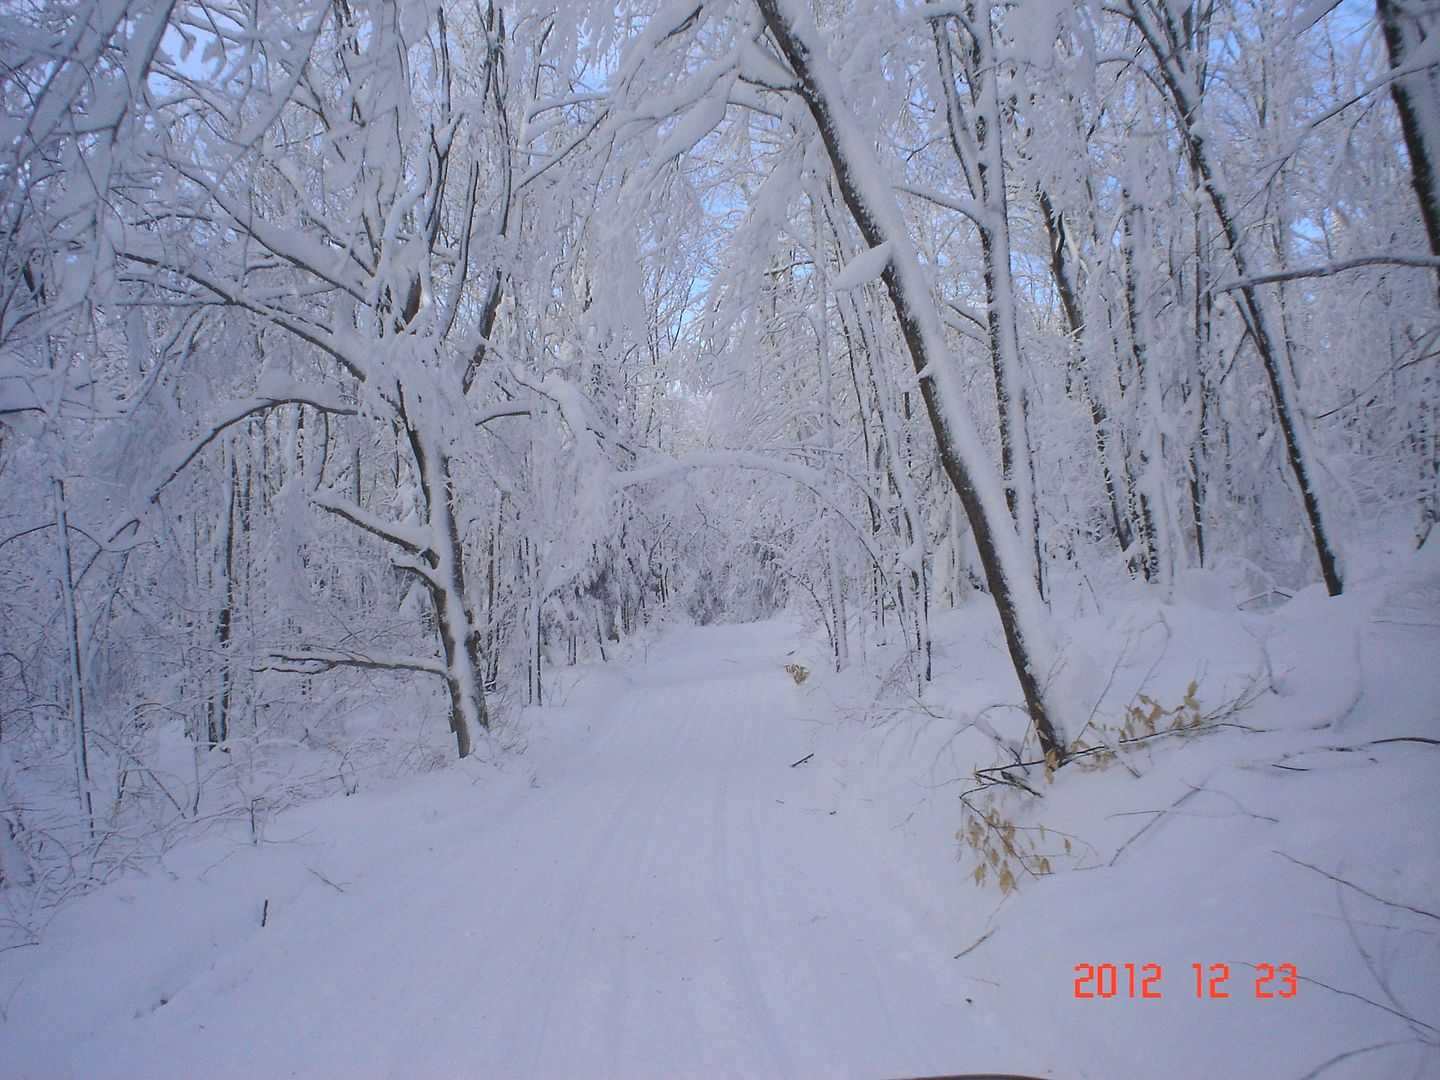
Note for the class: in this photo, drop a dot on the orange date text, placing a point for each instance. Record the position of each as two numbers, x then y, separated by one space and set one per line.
1212 982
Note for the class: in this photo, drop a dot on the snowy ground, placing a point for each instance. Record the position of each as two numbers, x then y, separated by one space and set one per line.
651 889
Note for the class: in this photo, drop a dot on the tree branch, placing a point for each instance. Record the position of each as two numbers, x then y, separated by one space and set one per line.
241 410
1424 262
311 662
413 541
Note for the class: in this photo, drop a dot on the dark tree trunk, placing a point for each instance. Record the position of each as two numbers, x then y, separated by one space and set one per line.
75 671
1417 98
1068 288
445 579
1005 579
225 624
1176 80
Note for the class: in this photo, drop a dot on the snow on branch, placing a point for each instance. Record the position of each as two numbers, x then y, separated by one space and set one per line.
414 541
966 207
500 412
811 479
313 662
235 295
863 268
1424 262
279 394
574 405
294 247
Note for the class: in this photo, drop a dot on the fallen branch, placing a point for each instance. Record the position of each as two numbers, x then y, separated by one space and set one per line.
1159 814
975 944
1357 888
325 879
1360 997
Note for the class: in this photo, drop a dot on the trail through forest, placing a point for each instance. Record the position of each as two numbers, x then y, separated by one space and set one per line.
432 435
665 895
688 865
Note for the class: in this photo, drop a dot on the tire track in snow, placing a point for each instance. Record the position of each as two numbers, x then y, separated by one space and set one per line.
581 894
641 856
619 850
722 870
822 858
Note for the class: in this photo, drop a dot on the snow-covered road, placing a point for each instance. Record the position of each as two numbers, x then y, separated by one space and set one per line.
669 897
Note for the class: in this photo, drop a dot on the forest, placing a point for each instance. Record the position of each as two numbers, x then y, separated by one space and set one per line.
373 370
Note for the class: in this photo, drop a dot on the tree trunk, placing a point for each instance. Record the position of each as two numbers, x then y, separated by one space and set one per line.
459 634
1177 83
1029 634
1069 290
980 153
74 657
1417 100
834 580
1150 493
224 625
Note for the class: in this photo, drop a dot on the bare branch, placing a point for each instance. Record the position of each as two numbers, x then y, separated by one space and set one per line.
1425 262
1357 888
312 662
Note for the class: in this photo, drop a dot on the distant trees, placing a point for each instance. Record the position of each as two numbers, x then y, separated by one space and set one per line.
1174 44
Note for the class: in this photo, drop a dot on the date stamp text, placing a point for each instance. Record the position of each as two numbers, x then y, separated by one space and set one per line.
1208 981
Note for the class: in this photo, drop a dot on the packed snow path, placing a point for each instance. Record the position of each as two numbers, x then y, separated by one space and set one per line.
667 897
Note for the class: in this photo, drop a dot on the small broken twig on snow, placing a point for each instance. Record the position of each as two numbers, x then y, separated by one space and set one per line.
325 879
